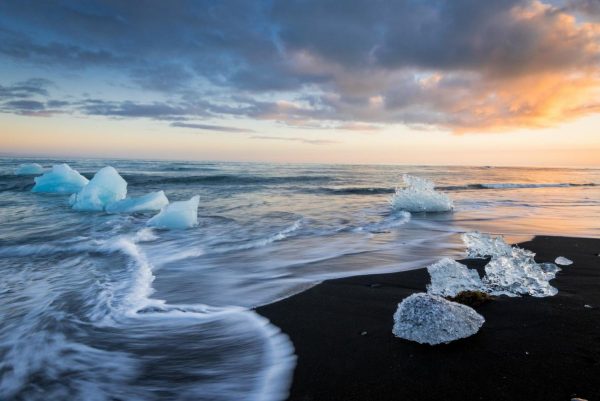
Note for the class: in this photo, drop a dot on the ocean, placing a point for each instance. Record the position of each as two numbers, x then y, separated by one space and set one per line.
97 306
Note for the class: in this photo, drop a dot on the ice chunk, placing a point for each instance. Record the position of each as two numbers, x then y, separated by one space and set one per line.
177 215
561 260
550 270
430 319
448 278
29 169
149 202
106 187
484 245
61 179
512 270
419 195
518 274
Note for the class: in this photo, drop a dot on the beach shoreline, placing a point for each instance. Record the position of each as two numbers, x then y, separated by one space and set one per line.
529 348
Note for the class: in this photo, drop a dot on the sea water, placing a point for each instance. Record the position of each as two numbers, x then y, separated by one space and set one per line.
100 306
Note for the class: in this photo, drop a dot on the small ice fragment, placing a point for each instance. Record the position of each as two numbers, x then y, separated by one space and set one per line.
61 179
153 201
177 215
448 278
29 169
429 319
106 187
561 260
550 270
419 195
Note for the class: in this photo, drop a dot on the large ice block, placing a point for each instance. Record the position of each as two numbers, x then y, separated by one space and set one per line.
177 215
429 319
448 278
61 179
419 195
150 202
106 187
29 169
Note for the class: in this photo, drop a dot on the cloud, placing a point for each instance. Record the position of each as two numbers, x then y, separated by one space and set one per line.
209 127
295 139
25 89
462 65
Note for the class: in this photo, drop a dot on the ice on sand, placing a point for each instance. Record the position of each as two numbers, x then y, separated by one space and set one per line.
430 319
448 278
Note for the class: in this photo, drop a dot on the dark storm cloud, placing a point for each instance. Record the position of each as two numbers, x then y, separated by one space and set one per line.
460 64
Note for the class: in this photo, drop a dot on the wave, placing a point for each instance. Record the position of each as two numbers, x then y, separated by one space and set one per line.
223 179
510 185
352 191
107 354
261 242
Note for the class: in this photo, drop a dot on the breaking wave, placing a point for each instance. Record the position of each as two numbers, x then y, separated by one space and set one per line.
111 339
510 185
222 179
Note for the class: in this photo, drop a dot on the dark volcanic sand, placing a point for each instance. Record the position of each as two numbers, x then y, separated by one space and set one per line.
528 349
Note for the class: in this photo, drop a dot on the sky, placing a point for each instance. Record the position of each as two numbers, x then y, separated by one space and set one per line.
470 82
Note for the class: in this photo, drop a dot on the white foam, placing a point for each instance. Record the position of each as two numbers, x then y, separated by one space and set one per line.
153 201
106 187
61 179
419 195
29 169
448 278
177 215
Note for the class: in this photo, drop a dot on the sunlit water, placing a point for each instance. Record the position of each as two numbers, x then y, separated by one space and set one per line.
99 307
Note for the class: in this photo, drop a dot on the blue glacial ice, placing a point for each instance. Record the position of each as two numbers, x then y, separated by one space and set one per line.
448 278
106 187
419 195
62 179
430 319
177 215
29 169
153 201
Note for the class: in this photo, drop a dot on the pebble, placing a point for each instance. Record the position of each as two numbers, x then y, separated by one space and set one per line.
364 333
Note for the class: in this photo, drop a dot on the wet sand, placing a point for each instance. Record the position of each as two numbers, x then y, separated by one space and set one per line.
528 349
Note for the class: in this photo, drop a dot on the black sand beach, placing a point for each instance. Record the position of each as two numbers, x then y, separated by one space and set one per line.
528 349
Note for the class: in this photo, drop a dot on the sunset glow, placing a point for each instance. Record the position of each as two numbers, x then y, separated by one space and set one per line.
510 83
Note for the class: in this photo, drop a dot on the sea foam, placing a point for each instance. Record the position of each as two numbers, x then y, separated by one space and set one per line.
419 195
